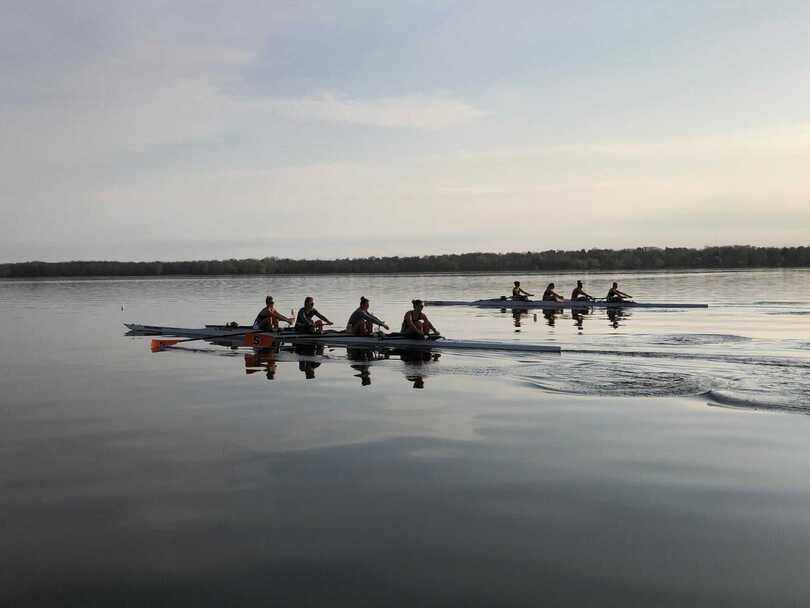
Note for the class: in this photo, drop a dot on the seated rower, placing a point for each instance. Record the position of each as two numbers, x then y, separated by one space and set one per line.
579 293
268 317
304 323
520 294
362 322
415 324
614 295
549 295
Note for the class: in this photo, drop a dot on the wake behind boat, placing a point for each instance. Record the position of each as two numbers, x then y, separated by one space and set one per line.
247 336
505 302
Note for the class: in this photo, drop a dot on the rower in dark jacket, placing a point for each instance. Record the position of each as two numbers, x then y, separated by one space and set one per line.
362 322
304 322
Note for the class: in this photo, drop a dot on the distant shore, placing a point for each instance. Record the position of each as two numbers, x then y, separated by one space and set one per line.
640 258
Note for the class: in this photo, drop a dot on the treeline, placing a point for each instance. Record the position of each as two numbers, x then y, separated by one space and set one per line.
641 258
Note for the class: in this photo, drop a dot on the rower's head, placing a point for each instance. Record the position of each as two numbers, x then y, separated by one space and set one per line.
363 302
579 283
309 302
615 285
418 304
517 283
550 286
268 300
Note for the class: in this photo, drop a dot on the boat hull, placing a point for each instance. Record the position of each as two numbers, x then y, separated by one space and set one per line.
383 341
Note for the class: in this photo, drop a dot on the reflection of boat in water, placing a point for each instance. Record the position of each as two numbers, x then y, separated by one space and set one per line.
504 302
616 316
246 336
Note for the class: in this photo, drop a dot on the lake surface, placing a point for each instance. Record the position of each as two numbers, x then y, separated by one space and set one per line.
661 459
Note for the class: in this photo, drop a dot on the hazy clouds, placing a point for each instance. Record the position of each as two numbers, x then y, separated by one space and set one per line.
157 130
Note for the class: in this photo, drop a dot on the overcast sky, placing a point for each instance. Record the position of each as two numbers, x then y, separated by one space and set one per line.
187 130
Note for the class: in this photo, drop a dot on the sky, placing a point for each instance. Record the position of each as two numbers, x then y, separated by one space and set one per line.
158 130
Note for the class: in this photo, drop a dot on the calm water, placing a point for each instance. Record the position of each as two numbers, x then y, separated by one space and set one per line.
661 459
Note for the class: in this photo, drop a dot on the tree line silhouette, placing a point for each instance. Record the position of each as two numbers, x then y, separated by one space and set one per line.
640 258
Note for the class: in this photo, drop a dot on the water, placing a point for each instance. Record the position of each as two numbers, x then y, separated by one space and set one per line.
660 459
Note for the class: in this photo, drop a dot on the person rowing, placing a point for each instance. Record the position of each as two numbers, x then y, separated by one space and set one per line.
416 324
362 322
304 321
520 294
268 317
614 295
549 295
579 293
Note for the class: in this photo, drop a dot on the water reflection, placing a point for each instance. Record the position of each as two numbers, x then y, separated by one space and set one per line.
361 359
617 317
579 319
520 316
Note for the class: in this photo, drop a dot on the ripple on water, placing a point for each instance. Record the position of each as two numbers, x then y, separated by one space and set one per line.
757 400
614 378
699 339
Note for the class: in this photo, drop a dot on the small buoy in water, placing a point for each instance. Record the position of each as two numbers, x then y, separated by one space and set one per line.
122 307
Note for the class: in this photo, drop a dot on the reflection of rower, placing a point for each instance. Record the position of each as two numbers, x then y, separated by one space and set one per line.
268 317
520 294
362 322
579 293
257 361
415 324
614 295
551 316
549 295
615 316
304 323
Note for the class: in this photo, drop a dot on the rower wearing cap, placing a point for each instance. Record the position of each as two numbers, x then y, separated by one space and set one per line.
520 294
415 323
549 295
579 293
304 322
268 317
362 322
614 295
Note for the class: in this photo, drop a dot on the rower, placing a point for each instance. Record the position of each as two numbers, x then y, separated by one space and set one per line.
362 322
614 295
520 294
304 322
549 295
579 293
268 317
415 323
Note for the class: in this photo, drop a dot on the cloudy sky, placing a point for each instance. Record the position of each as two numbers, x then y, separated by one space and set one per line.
179 130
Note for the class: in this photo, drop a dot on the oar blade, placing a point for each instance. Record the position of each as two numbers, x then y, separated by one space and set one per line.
157 344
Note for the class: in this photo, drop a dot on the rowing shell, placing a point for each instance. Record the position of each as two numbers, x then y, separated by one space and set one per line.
382 341
578 304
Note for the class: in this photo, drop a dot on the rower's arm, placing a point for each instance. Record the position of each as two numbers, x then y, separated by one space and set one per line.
280 317
322 318
375 320
430 326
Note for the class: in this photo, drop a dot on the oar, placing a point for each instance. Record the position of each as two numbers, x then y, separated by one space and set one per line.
158 343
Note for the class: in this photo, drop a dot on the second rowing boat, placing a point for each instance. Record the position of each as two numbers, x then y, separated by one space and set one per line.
505 302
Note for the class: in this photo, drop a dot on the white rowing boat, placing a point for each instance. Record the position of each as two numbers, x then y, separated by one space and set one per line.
574 304
336 338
